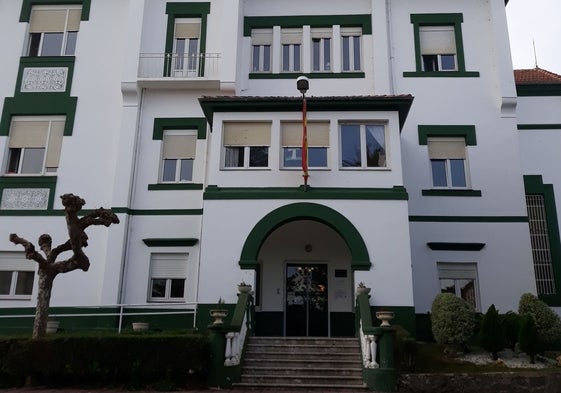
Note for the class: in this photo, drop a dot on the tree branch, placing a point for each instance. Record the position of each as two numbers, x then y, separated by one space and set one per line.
99 216
30 252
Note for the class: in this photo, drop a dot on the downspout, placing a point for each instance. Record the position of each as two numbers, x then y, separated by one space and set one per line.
124 264
391 59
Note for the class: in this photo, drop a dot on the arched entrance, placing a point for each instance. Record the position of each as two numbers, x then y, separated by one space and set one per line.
304 255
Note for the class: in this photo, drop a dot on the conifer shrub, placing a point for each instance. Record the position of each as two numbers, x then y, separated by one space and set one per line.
453 320
491 335
528 336
511 327
548 323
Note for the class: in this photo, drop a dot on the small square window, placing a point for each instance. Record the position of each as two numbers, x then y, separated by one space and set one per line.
168 273
459 279
178 155
53 30
448 162
261 42
246 145
16 280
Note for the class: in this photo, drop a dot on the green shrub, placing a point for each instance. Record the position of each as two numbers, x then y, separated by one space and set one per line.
130 360
548 323
453 320
491 335
511 327
405 348
528 337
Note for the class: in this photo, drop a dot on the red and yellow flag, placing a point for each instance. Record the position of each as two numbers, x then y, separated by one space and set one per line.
304 143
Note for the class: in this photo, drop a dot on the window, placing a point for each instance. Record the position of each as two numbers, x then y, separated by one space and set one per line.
321 50
16 276
168 273
448 162
178 155
34 145
291 50
53 30
350 48
186 47
459 279
246 145
261 41
438 48
363 145
541 247
318 143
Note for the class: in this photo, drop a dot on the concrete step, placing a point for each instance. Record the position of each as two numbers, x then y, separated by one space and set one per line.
302 363
309 371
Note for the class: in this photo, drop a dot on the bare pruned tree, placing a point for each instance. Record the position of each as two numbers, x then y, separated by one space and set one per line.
49 267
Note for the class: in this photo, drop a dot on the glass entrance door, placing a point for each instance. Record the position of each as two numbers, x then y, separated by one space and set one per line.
306 308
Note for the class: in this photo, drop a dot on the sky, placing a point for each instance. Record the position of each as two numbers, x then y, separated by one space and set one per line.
538 21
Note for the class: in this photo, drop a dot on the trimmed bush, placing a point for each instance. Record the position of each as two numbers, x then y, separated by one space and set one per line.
453 320
528 337
491 335
131 360
511 327
548 323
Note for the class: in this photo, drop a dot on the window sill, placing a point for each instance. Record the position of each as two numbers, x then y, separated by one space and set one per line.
170 301
21 297
441 74
376 169
452 192
174 186
312 75
300 169
246 169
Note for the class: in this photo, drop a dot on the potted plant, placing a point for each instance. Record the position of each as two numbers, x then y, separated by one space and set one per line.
52 326
219 313
385 317
243 287
362 289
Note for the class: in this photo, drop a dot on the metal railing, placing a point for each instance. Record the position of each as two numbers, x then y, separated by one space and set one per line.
179 66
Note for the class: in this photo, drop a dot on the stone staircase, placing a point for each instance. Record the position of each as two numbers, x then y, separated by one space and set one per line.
302 363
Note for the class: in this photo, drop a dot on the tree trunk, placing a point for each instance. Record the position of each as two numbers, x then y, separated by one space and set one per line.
46 279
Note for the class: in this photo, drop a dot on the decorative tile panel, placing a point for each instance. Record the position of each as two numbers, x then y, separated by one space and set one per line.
44 79
25 198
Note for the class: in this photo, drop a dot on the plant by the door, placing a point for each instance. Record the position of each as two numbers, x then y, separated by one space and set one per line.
362 289
243 287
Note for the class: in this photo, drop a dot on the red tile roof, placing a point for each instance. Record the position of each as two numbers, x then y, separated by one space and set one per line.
536 76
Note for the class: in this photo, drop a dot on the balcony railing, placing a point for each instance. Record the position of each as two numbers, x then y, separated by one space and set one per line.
172 65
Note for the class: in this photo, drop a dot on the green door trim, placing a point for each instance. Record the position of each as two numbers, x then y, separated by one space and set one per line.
360 259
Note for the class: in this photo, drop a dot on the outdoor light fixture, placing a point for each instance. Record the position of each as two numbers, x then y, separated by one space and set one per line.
302 84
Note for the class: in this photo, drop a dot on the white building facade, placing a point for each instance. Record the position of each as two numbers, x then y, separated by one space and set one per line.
184 118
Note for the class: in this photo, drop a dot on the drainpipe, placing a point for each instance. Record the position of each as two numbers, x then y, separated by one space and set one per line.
391 59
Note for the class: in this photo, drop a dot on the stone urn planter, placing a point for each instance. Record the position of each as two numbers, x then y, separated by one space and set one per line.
385 317
362 289
244 288
140 326
218 315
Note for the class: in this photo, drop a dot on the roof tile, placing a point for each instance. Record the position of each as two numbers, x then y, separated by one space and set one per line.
536 76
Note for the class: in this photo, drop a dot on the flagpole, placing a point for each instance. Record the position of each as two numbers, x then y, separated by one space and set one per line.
302 84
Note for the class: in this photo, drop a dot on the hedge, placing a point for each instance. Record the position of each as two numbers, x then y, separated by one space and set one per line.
130 360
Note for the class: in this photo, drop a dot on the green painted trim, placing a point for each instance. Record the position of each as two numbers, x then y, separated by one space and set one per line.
539 90
179 123
307 193
45 61
360 260
158 212
186 10
32 104
452 193
116 210
480 219
441 74
539 126
451 246
401 104
533 184
25 14
467 131
178 242
456 20
263 22
29 182
175 186
313 75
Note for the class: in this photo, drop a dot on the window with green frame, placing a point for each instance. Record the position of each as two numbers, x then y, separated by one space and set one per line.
439 48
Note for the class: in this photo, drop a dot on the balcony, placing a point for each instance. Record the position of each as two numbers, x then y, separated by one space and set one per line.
171 70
